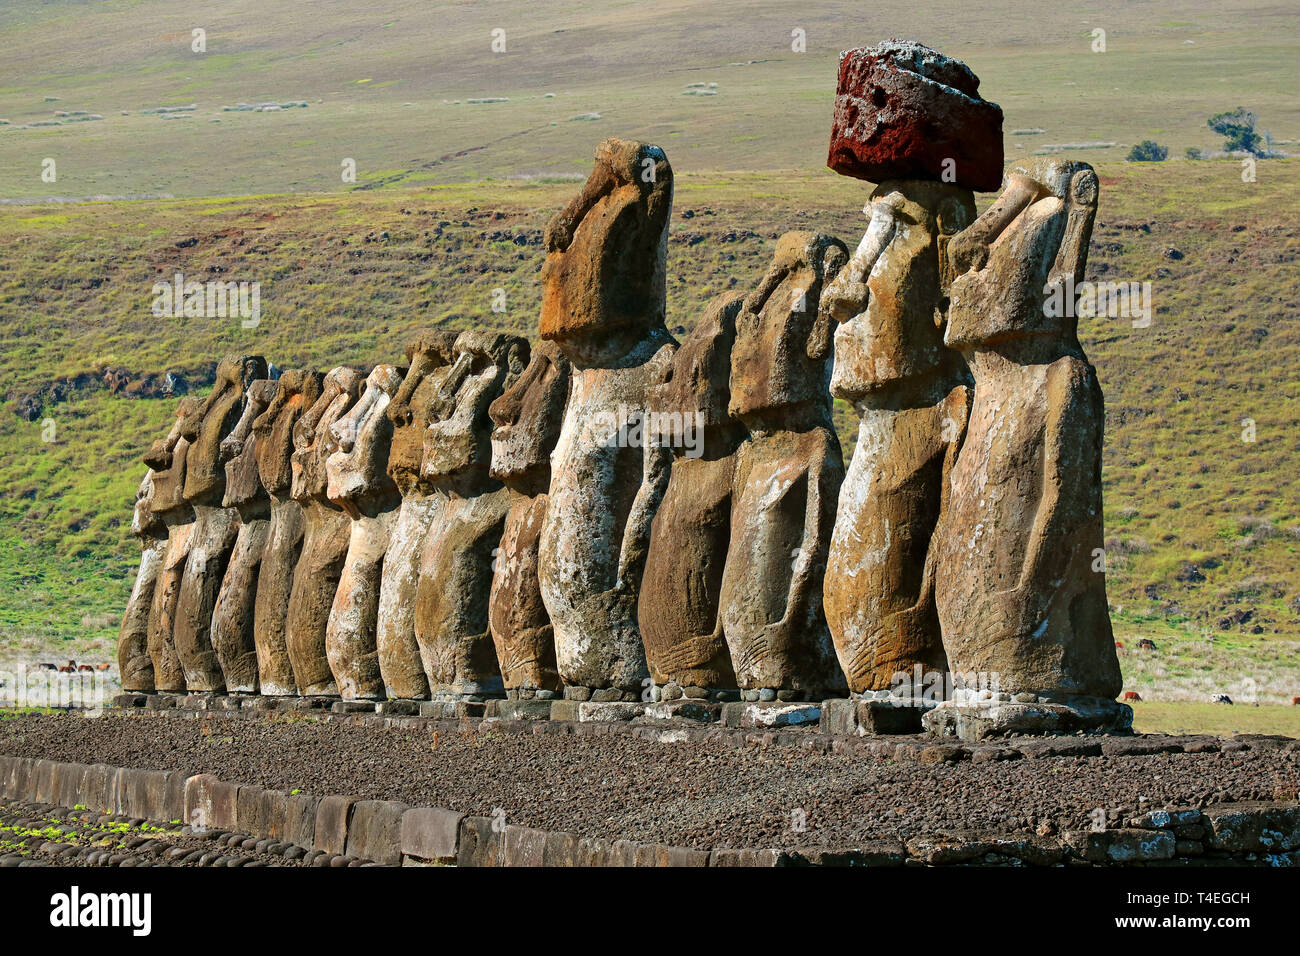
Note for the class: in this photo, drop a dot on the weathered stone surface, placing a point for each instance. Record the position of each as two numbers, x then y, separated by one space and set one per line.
787 476
430 834
166 458
233 616
375 832
297 391
210 804
911 396
215 527
451 600
904 111
1122 845
683 709
326 532
770 714
527 418
1020 590
420 397
480 843
1254 828
300 819
972 718
889 717
358 482
133 661
678 610
333 816
603 304
262 813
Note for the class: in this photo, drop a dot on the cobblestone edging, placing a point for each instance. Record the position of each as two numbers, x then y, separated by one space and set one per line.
395 834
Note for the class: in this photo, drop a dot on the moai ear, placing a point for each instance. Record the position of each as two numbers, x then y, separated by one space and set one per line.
821 338
1081 211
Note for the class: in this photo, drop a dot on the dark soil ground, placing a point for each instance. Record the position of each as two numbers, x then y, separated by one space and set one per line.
619 786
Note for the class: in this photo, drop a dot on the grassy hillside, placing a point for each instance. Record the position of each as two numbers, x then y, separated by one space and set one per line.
413 92
1203 530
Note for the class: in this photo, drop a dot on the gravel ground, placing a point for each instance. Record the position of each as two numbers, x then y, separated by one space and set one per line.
699 795
36 834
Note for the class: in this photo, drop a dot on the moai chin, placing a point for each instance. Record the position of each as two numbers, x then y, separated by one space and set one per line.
527 421
215 527
1019 576
912 399
603 304
679 608
357 481
134 664
421 394
296 392
326 531
233 617
456 565
788 473
166 458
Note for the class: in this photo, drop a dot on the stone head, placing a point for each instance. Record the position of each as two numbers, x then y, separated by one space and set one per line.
168 456
1017 265
458 443
428 356
528 417
358 470
783 345
697 392
144 521
312 441
205 473
604 279
296 391
239 448
891 299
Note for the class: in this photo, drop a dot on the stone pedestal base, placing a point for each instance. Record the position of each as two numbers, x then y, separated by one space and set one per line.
600 695
526 709
353 707
454 709
773 713
685 708
875 716
398 708
600 711
976 719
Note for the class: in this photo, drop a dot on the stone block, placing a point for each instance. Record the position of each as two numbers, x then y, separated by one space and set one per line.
523 846
210 804
263 813
300 819
480 844
772 713
611 711
686 708
1121 845
430 834
375 831
523 709
333 814
1253 827
565 709
725 856
656 854
882 717
68 783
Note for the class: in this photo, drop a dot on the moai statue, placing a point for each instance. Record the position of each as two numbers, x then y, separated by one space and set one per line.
679 608
233 617
911 396
296 392
357 481
603 304
326 531
787 476
451 601
527 420
133 661
420 396
166 458
912 120
215 527
1019 576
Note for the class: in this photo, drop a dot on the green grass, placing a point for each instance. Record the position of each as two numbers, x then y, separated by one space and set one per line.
1164 717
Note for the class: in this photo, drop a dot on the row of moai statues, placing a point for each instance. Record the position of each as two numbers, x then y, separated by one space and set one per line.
611 516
